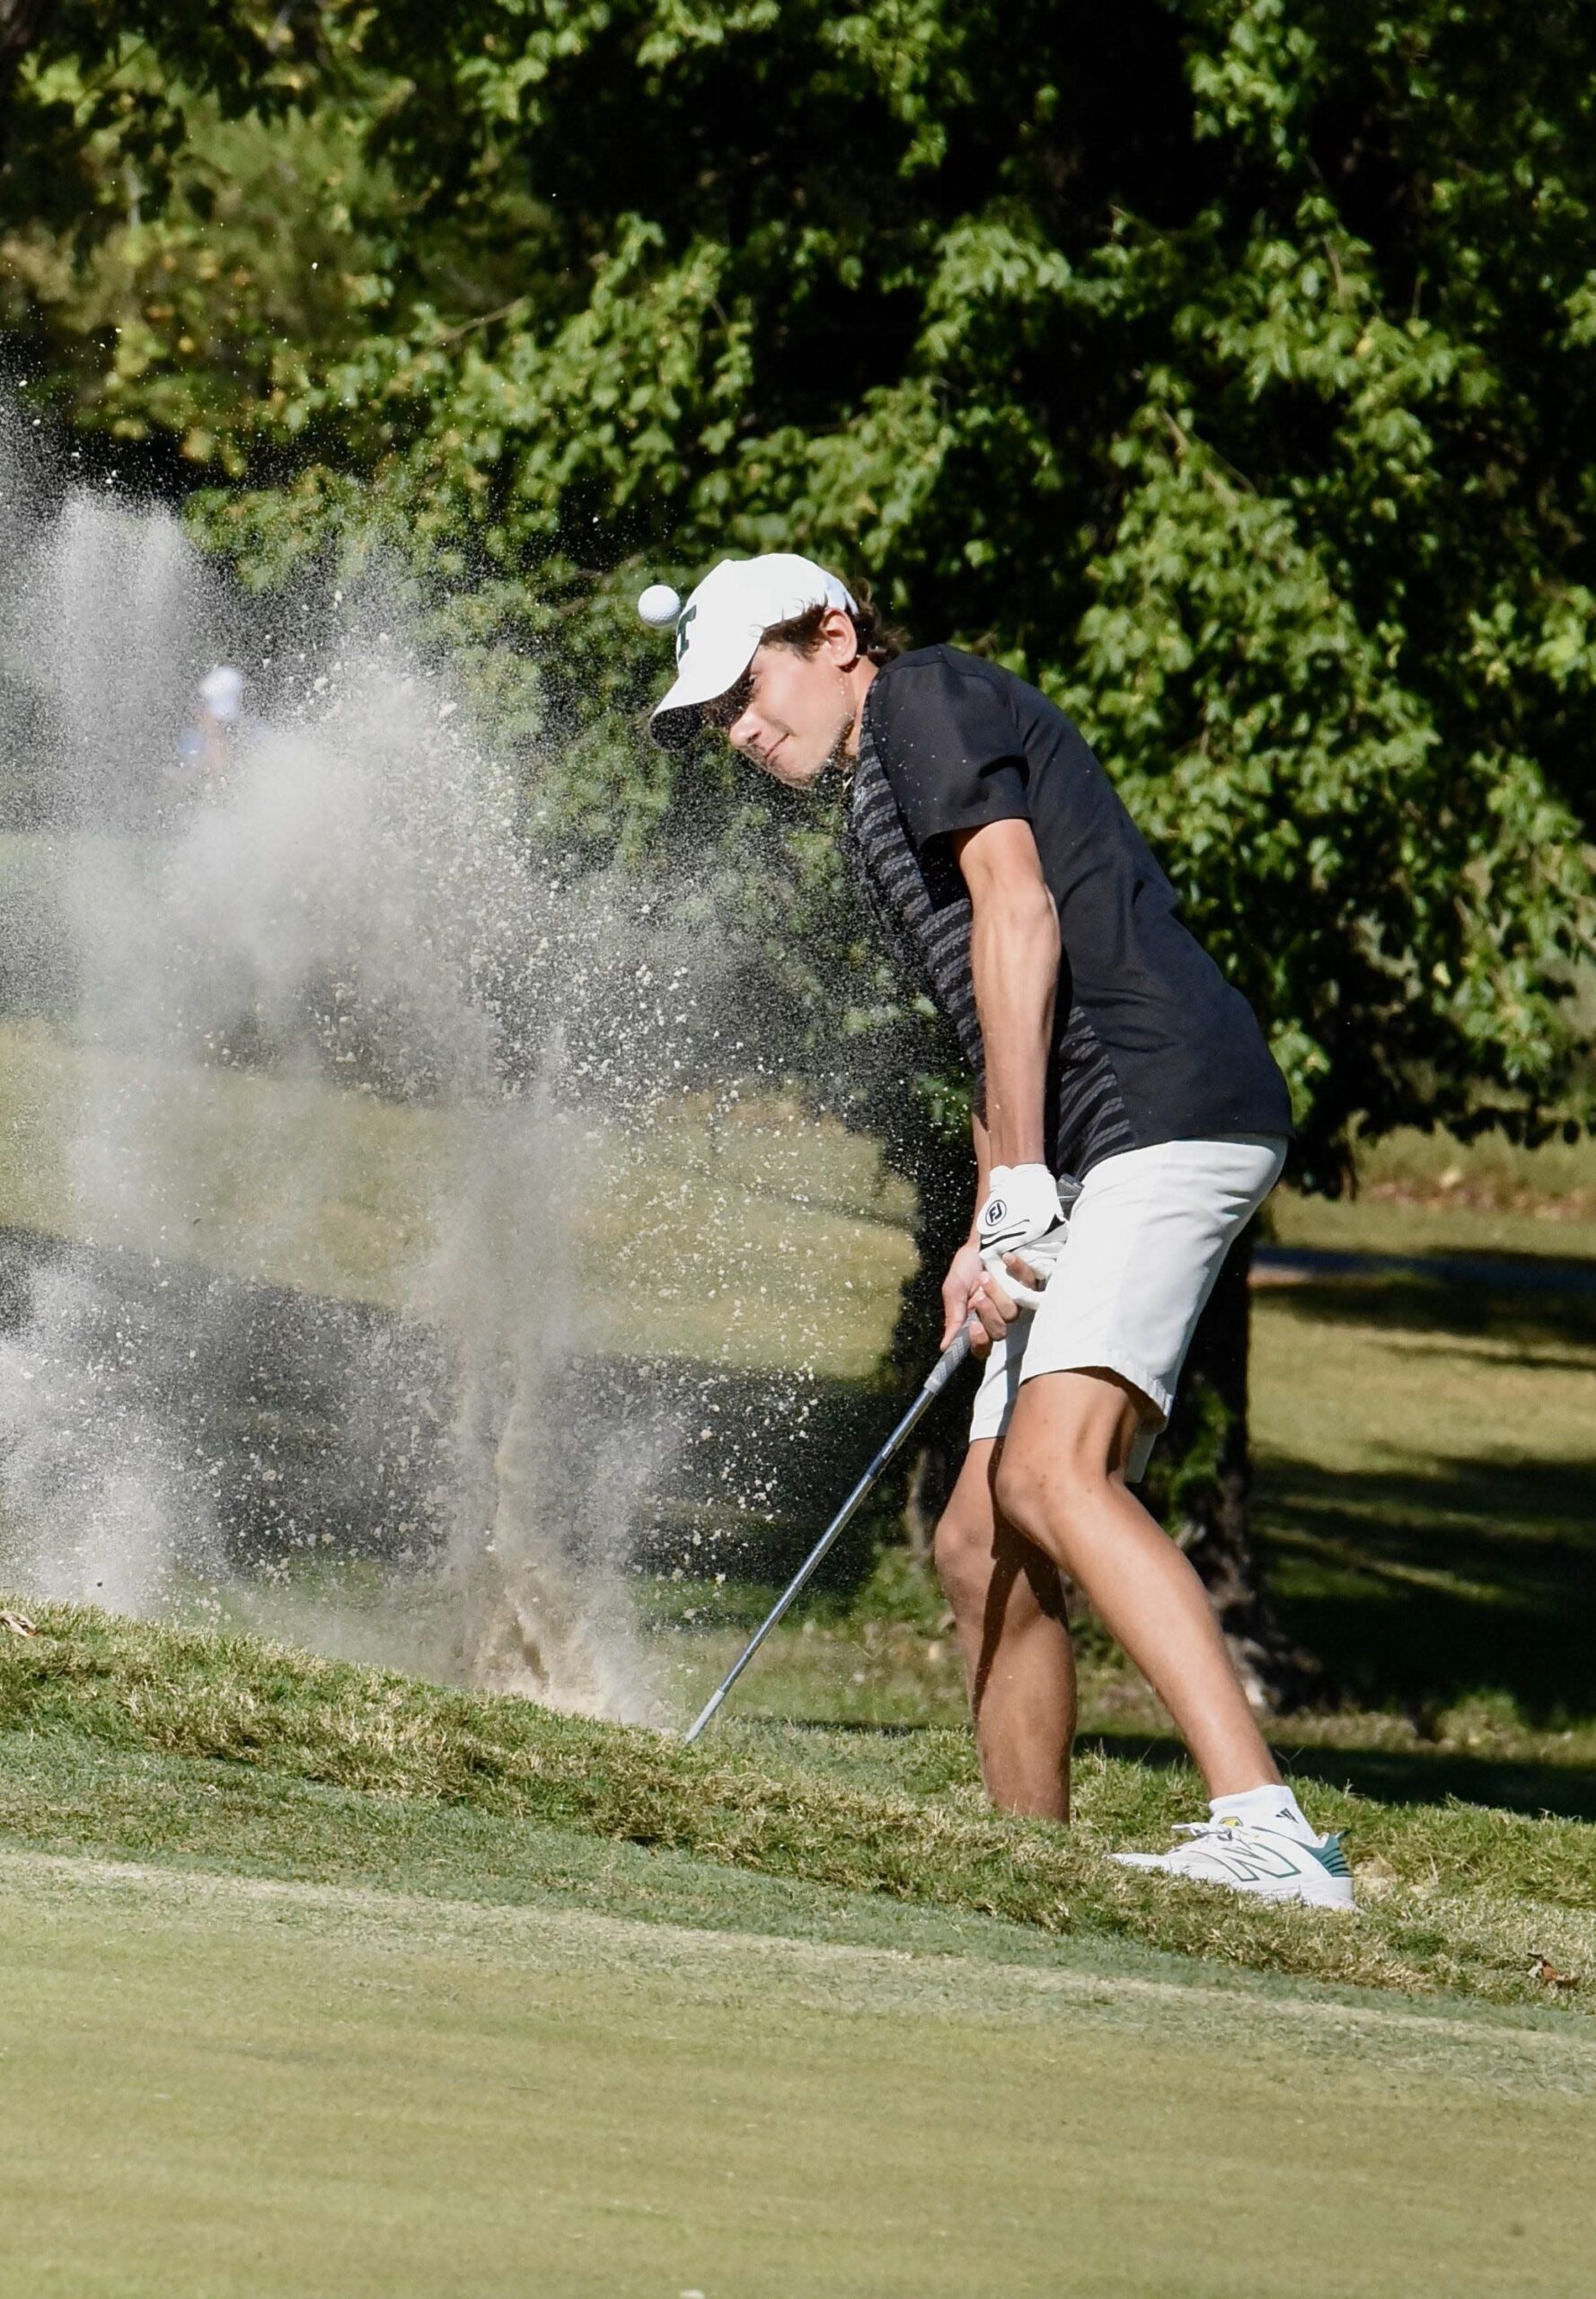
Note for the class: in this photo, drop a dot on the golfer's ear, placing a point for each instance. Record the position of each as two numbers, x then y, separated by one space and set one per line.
841 640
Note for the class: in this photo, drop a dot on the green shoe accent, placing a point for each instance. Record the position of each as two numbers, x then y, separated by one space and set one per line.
1330 1856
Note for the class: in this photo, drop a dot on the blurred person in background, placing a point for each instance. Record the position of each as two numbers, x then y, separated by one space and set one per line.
208 744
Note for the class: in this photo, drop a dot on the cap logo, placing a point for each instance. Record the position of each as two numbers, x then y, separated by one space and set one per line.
687 615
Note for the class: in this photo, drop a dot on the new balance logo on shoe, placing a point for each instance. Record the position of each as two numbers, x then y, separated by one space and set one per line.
1255 1864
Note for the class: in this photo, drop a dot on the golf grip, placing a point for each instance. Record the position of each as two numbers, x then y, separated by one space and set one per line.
935 1382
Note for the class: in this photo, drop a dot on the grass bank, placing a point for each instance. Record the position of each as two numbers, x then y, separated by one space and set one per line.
1459 1899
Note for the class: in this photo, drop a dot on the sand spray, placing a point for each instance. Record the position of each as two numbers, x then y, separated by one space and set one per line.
318 1154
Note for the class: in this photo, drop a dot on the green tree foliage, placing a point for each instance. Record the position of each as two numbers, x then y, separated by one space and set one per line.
1224 365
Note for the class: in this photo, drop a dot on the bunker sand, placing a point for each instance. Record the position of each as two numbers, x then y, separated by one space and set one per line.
224 2085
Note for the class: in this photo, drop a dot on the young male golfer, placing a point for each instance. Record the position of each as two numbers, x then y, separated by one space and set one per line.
1105 1046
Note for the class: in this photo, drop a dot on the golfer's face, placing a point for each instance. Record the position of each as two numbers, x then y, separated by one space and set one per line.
788 714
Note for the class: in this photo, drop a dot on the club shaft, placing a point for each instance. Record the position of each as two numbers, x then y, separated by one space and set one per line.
936 1381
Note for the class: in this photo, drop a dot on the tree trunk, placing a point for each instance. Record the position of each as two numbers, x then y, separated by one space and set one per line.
932 1472
1200 1486
19 20
944 1177
19 24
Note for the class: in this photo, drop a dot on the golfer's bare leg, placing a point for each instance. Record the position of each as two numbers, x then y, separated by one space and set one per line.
1009 1609
1061 1481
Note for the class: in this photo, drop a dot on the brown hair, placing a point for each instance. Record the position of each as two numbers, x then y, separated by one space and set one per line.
877 642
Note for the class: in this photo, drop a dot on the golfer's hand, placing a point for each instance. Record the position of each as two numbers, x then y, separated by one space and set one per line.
973 1295
1022 1209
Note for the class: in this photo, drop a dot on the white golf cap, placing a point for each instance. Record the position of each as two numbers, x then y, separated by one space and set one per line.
718 630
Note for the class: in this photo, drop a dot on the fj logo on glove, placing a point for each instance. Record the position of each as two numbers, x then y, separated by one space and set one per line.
1024 1217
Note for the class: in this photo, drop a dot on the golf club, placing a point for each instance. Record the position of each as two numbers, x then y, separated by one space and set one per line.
935 1382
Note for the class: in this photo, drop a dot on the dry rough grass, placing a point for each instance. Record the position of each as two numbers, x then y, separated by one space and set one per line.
1456 1896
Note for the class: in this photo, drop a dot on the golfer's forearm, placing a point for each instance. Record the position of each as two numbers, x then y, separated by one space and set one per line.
1014 960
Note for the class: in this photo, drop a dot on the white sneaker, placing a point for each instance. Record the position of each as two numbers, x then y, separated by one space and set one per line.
1271 1863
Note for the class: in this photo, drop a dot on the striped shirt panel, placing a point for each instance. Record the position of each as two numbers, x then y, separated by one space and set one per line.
1086 1117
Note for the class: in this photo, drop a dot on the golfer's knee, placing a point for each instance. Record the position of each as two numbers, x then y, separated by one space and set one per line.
962 1550
1045 1500
1019 1493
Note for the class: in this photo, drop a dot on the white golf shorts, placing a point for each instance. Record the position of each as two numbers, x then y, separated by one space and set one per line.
1146 1236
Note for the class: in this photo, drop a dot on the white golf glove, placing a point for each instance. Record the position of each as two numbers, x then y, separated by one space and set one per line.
1023 1214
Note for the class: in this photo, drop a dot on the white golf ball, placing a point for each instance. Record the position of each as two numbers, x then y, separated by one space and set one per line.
659 605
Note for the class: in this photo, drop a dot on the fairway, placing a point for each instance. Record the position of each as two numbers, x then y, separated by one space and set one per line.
227 2086
295 1182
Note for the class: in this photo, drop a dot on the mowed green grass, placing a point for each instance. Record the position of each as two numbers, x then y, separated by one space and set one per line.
1426 1461
325 1982
724 1236
256 2088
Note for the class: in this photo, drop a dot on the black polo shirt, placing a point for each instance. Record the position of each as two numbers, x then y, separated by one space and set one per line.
1151 1044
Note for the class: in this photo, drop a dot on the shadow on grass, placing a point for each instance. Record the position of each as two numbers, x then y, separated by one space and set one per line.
1546 1320
1496 1268
1389 1776
349 1408
1480 1577
1398 1775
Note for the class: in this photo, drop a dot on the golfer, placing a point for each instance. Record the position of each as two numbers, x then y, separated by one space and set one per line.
1108 1051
